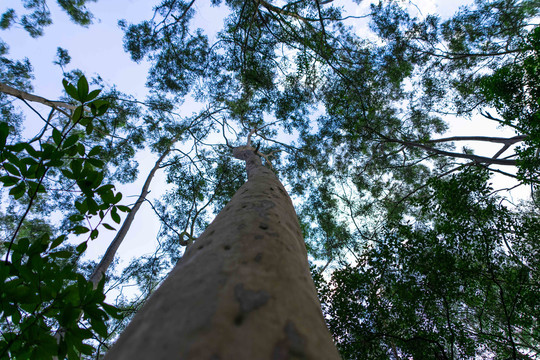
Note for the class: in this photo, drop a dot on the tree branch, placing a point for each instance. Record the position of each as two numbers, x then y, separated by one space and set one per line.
108 257
506 141
474 158
281 11
6 89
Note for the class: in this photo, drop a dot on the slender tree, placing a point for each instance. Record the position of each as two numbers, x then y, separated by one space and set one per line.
242 291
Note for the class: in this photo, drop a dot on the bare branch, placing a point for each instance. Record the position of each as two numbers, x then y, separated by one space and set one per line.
501 151
506 141
474 158
6 89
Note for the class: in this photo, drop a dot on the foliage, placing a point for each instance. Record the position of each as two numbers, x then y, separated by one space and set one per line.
425 261
40 16
43 291
459 283
514 91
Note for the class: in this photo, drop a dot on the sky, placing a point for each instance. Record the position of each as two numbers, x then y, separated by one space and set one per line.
98 50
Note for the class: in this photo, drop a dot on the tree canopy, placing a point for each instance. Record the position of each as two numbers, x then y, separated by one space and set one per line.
415 252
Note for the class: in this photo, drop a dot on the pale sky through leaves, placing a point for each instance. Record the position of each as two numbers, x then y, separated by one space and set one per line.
98 50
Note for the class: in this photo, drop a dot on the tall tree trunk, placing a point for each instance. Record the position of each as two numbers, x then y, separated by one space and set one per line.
243 291
108 257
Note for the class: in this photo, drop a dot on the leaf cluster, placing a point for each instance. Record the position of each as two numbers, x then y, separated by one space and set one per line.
48 308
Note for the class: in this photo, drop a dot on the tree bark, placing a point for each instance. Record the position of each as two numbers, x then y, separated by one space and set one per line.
6 89
108 257
242 291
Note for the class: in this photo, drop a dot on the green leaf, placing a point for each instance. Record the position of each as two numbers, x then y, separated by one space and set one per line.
81 206
80 149
18 191
77 114
4 132
54 163
107 196
11 169
70 89
99 327
22 294
80 229
56 242
9 180
92 206
111 310
76 167
82 89
76 217
99 107
35 188
108 227
95 150
89 128
31 151
87 349
117 198
93 94
82 247
97 179
114 215
123 208
63 254
72 139
96 162
16 316
57 136
94 234
23 245
68 174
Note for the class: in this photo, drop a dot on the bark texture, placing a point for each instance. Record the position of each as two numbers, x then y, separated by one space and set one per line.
6 89
242 291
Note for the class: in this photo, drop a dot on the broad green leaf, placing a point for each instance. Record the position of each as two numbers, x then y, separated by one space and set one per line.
63 254
80 229
82 89
59 240
9 180
19 190
77 114
4 132
71 140
82 247
57 136
108 227
93 94
70 89
11 169
114 215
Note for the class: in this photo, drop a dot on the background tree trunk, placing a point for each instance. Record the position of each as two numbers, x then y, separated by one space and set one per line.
242 291
101 268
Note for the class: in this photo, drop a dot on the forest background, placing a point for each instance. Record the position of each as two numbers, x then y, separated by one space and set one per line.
417 248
